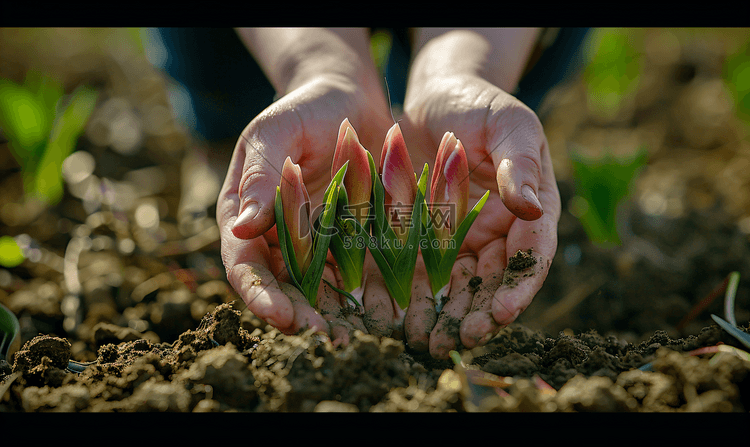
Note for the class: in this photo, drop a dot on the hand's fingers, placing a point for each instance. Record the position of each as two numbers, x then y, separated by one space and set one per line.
305 317
519 287
250 263
445 336
256 184
261 293
479 325
421 315
515 143
352 314
540 236
335 310
379 311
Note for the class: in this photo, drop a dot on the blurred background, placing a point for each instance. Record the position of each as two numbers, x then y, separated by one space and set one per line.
115 143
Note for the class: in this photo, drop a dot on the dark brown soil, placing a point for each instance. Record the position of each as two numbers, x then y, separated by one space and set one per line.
156 327
519 267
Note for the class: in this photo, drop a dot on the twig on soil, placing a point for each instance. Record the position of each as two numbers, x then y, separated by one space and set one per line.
704 303
571 300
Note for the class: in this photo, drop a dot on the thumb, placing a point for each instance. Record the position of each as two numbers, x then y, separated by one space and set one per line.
261 173
517 159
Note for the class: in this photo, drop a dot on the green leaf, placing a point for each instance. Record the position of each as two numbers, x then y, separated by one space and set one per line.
63 138
349 258
439 266
737 77
431 255
392 282
348 295
399 273
23 121
449 257
613 71
381 227
351 270
407 258
321 241
285 242
601 185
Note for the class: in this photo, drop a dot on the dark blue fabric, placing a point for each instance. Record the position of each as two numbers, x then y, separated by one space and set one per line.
559 61
228 89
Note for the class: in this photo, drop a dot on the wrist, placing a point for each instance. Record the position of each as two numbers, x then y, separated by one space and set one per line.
497 56
291 58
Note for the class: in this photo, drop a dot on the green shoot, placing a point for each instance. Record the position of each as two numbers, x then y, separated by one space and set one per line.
42 128
601 185
613 72
731 325
309 281
395 261
737 77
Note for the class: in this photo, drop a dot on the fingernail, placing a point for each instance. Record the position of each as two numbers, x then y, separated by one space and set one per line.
247 215
528 193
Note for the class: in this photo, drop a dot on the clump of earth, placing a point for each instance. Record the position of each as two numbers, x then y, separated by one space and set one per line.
221 367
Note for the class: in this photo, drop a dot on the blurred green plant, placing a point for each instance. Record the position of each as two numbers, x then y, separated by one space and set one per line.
737 77
613 71
11 254
43 126
380 48
601 185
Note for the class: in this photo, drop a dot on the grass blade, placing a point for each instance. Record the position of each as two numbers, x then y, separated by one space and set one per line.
743 337
321 241
734 281
285 242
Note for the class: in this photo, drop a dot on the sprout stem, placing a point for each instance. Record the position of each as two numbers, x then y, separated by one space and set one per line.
734 281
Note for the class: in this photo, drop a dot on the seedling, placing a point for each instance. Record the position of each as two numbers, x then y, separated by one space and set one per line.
613 72
349 242
396 227
446 222
304 248
601 185
381 210
737 77
42 128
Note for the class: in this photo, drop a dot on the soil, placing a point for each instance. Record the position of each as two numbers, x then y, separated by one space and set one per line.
519 267
152 324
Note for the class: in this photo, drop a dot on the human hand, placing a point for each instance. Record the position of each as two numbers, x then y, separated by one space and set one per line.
302 125
508 155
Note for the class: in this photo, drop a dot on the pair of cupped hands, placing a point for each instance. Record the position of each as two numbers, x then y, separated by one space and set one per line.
507 154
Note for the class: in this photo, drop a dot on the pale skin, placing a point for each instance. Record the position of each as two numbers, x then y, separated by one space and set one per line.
458 82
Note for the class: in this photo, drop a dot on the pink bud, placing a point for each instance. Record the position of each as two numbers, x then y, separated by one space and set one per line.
449 188
357 181
399 181
296 204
